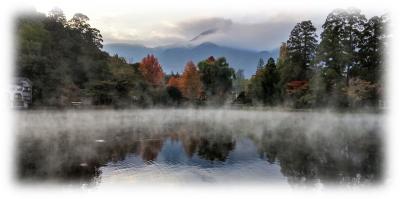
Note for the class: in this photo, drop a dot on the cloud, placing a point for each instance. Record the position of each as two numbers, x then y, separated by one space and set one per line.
258 36
207 32
195 26
262 35
259 26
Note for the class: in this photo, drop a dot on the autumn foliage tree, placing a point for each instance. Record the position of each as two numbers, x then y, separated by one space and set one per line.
151 70
174 82
190 82
173 88
296 86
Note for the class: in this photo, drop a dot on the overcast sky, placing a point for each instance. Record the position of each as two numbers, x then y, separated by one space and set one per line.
256 25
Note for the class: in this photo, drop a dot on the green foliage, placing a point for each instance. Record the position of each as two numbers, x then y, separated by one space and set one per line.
175 94
239 82
295 62
217 77
301 48
65 63
372 48
101 92
350 47
339 41
316 95
264 85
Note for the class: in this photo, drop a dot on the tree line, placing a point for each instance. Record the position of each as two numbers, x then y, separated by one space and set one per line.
343 68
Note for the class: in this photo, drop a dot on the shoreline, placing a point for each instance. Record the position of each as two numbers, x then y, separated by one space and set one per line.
237 108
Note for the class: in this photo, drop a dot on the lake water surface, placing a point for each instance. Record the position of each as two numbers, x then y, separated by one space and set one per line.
102 147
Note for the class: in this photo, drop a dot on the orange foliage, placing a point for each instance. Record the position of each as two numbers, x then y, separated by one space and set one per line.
151 70
190 83
296 86
174 82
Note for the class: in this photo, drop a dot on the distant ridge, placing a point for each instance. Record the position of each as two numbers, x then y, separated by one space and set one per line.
174 58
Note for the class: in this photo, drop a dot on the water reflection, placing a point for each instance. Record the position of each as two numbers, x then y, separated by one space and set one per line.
347 154
343 158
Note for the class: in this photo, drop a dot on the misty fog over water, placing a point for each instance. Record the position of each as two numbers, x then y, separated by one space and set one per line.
182 146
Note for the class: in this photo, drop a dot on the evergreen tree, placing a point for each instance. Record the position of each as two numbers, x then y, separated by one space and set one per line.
296 60
217 77
260 64
339 41
264 84
372 48
338 50
270 82
301 48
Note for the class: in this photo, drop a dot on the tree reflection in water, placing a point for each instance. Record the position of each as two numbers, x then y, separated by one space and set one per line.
341 156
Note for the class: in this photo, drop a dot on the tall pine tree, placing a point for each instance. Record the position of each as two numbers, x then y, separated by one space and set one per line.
341 36
372 48
301 47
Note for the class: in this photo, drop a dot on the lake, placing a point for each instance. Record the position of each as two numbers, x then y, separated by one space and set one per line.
189 146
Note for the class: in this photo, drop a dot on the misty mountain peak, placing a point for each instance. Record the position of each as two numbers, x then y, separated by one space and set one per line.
207 45
174 58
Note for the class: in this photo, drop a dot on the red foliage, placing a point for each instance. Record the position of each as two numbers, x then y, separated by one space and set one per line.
151 70
296 86
189 83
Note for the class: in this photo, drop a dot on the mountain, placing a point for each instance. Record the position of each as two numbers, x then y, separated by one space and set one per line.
174 58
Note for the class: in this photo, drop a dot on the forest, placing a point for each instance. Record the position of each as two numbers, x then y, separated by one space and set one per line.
342 68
